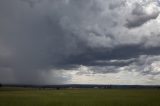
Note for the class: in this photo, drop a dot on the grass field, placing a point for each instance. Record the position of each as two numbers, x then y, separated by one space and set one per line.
79 97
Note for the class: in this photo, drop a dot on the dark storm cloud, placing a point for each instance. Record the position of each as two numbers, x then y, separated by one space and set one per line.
91 56
140 20
41 36
118 4
140 17
34 44
32 3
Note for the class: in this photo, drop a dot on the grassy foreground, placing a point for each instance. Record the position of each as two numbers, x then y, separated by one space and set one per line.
79 97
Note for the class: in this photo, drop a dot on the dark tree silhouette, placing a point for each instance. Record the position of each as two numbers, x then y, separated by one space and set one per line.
0 85
58 88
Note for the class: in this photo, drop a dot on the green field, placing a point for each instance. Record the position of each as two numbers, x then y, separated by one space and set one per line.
79 97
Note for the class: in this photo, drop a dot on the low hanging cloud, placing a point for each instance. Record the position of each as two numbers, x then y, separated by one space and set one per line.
41 40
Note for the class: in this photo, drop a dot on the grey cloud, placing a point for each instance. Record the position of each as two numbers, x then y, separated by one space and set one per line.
64 34
118 63
140 17
90 56
36 45
139 20
144 64
32 3
149 64
116 5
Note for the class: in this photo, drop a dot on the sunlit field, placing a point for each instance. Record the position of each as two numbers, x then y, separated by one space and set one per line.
79 97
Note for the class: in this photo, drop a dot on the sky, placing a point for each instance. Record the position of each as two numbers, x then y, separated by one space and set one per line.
80 42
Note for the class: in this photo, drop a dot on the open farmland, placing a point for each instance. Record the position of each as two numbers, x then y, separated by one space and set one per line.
79 97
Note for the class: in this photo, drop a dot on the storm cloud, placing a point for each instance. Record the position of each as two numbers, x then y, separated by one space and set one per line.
46 41
141 16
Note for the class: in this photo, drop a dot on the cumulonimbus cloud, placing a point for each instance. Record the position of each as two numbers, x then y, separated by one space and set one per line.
40 36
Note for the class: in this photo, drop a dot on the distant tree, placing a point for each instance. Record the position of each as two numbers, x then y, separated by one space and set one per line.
58 88
105 87
0 85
